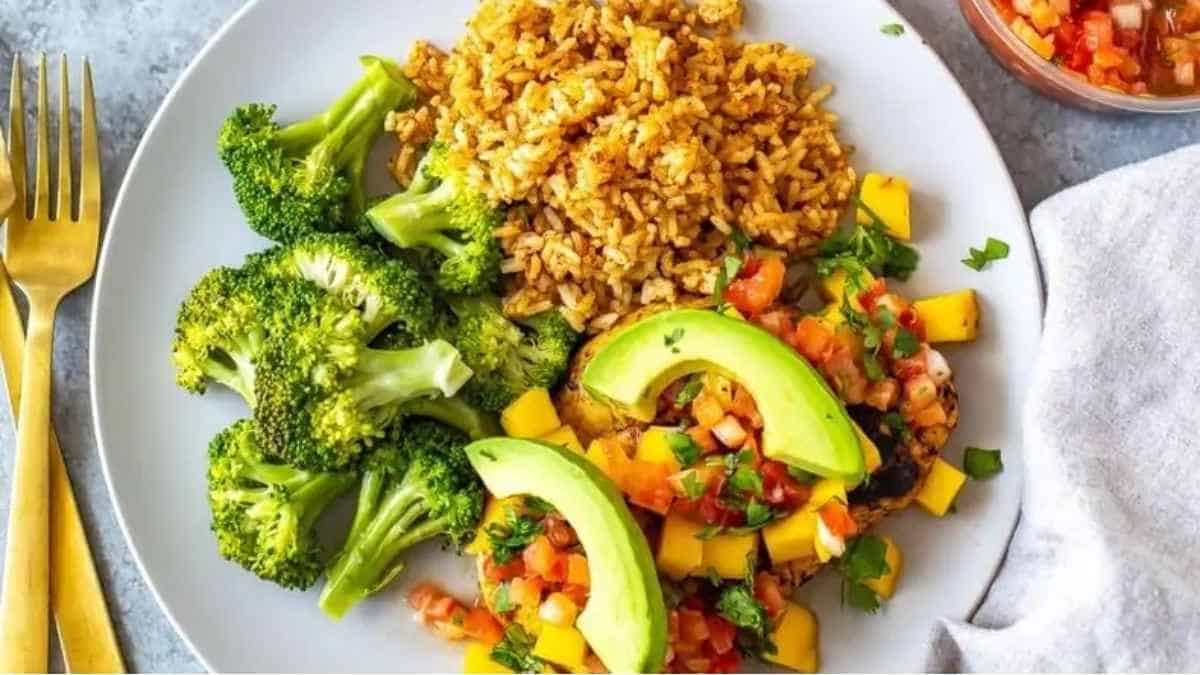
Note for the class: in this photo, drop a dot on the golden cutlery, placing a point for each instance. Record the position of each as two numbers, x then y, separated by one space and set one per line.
85 632
47 257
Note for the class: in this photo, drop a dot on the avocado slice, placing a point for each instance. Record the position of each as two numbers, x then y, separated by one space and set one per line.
625 620
804 424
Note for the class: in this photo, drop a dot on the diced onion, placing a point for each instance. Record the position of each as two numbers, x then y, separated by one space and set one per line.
834 544
730 432
559 610
938 367
1127 15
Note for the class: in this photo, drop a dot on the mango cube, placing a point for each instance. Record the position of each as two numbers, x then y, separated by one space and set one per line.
654 447
885 585
940 488
834 287
530 416
597 455
791 538
950 317
561 646
825 491
680 552
870 451
478 659
564 436
889 197
795 640
728 554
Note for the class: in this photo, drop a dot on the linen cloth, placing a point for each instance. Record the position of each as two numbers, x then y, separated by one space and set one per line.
1103 573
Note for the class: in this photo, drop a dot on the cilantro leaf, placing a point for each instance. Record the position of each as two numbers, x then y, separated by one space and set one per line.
730 266
865 558
871 365
866 247
737 605
993 249
685 449
905 344
708 532
690 390
671 340
500 599
692 487
739 240
982 463
892 29
515 651
757 514
509 538
536 505
746 479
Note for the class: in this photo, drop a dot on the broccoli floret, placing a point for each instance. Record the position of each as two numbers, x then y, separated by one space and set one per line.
457 413
218 333
309 176
508 357
416 487
386 291
442 212
263 511
320 402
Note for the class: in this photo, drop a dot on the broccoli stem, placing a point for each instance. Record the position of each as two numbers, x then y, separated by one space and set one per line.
457 413
383 528
419 218
385 377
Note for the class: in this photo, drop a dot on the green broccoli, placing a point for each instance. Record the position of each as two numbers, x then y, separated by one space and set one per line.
386 291
309 176
263 511
442 212
508 357
320 401
414 488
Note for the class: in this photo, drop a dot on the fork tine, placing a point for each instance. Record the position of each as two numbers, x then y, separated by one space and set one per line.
89 176
62 205
16 140
41 199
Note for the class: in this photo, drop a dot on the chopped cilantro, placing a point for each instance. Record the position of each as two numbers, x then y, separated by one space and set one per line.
692 487
746 479
735 459
515 651
685 449
871 365
671 340
739 240
708 532
866 247
511 537
865 558
730 266
690 390
672 593
982 463
993 249
500 600
738 606
905 344
892 29
537 506
758 514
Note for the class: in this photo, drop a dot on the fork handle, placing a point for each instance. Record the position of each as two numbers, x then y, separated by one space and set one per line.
25 605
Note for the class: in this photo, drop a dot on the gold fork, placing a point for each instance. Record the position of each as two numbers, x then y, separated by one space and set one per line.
48 257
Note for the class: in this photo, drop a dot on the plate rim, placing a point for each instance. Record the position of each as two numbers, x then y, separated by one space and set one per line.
186 75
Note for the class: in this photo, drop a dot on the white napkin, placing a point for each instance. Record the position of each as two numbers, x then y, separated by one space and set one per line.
1104 569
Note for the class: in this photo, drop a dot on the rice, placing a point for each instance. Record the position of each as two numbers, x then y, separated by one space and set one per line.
631 138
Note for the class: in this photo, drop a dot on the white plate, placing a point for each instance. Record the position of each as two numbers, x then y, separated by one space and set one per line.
175 218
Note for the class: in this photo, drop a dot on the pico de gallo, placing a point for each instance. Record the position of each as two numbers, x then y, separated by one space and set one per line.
1141 47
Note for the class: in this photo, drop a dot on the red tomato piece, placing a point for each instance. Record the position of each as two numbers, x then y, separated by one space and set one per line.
481 625
813 340
768 591
837 518
758 290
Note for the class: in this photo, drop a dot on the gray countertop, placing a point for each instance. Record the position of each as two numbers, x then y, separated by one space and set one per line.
139 47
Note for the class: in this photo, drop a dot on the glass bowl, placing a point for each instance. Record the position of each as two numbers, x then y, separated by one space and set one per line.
1053 81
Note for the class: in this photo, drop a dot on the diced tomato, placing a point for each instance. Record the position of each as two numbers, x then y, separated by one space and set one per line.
540 557
713 512
910 321
526 591
729 662
577 570
703 437
648 486
578 594
847 377
481 625
868 296
698 664
442 608
837 518
509 570
422 596
780 489
930 415
1098 29
913 366
768 591
721 634
744 407
693 627
759 289
813 340
777 323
